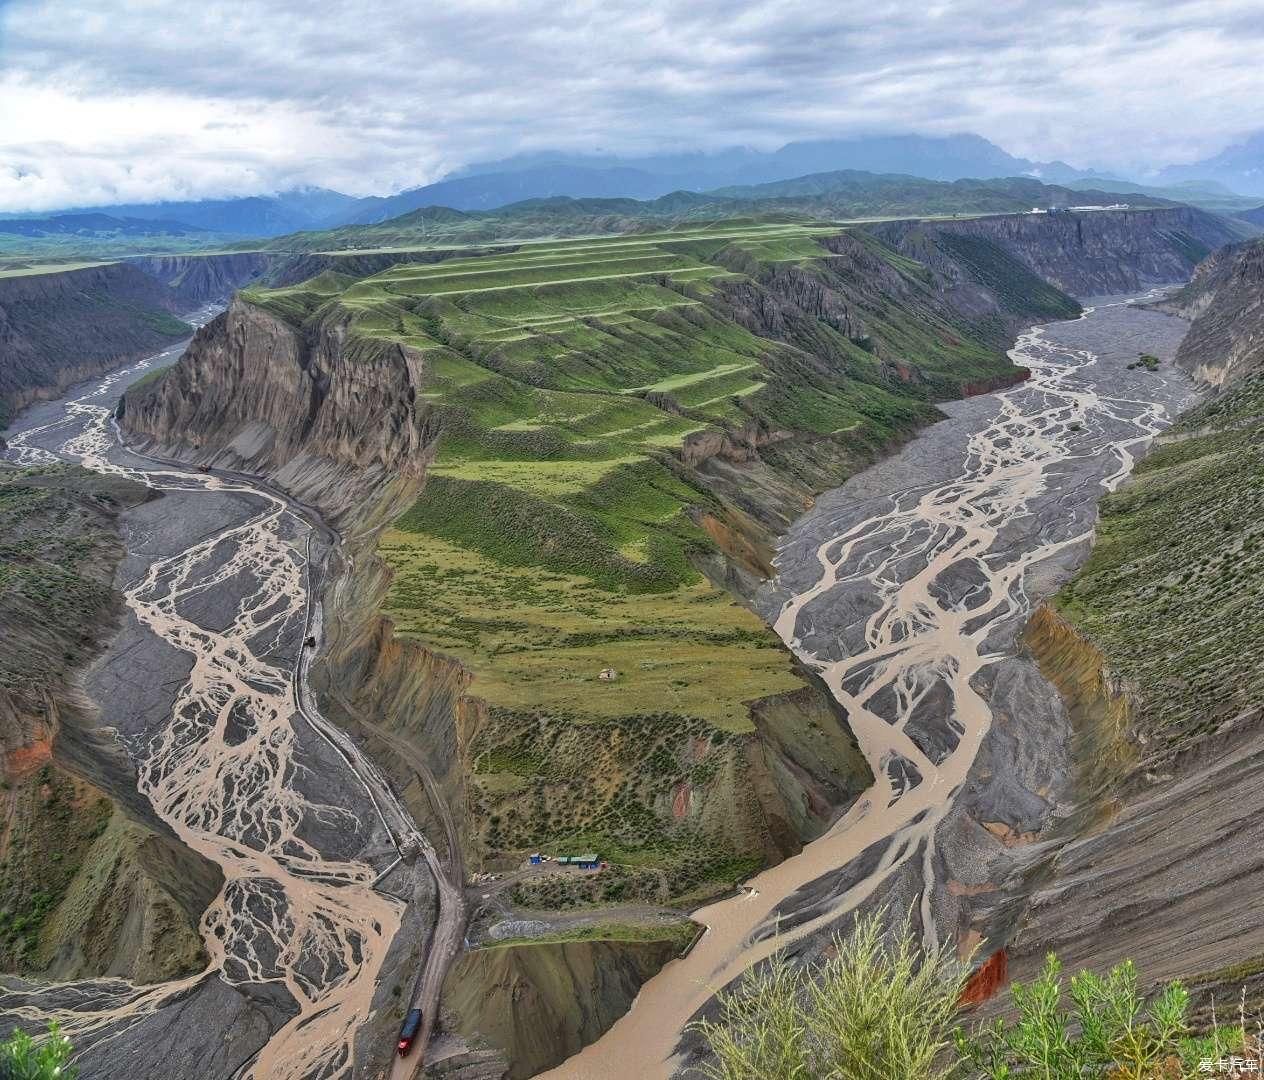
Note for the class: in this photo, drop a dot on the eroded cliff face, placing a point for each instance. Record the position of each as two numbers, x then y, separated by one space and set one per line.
200 279
59 329
1154 646
1102 706
1159 861
332 420
342 424
1225 302
1096 253
346 430
344 421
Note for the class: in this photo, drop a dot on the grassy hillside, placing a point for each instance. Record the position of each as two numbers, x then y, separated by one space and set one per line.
611 411
1172 591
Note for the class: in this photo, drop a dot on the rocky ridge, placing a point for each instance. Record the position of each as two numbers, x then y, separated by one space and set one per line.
1225 302
1098 253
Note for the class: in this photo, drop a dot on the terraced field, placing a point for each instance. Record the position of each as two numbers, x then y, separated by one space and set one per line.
594 396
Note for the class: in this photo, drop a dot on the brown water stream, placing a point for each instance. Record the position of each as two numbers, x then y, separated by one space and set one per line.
922 642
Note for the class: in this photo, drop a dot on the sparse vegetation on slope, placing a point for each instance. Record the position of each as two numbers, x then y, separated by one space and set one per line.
1172 590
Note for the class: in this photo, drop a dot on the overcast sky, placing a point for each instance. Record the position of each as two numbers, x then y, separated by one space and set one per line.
105 100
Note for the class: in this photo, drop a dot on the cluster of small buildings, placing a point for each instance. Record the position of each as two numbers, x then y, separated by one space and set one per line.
589 861
1077 209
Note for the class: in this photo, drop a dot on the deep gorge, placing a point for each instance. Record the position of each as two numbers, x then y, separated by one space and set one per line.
354 414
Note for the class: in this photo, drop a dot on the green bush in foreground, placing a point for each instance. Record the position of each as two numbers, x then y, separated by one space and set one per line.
871 1011
880 1008
22 1058
1109 1030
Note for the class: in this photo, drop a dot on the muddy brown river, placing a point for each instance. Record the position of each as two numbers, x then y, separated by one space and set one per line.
205 689
906 589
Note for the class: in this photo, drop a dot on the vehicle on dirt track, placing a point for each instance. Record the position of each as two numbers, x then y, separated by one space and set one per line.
408 1031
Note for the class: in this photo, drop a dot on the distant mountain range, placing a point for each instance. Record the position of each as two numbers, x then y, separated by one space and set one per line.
544 175
488 185
93 224
1213 184
95 234
1240 167
840 195
487 191
952 157
1205 194
260 215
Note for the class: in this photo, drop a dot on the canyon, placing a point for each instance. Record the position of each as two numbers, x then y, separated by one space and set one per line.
58 328
654 432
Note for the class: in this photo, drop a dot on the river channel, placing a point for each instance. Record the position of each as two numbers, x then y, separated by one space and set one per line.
906 589
205 688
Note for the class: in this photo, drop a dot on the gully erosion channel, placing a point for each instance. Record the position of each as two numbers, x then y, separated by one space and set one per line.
906 589
206 688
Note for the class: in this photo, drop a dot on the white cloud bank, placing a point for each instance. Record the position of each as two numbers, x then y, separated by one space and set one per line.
158 99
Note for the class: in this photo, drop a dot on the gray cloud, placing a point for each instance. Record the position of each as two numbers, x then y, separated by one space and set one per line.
158 99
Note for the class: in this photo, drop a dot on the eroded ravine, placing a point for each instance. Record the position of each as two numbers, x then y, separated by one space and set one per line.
901 606
244 773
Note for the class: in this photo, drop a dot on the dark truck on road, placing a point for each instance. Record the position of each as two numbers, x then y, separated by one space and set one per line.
408 1032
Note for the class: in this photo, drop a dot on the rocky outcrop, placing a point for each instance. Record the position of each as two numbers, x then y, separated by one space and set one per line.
329 417
1101 705
808 758
199 279
1095 253
1225 300
61 328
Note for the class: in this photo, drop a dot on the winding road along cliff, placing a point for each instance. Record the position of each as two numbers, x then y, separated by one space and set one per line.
906 589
